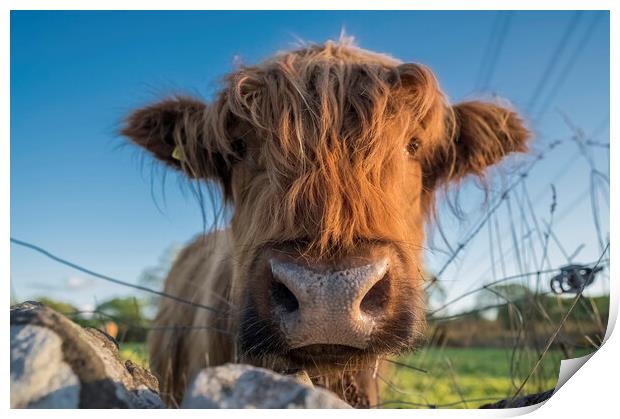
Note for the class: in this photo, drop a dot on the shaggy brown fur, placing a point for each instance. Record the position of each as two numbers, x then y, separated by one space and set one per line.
320 151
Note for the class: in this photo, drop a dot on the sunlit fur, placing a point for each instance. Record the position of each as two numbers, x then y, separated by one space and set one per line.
326 162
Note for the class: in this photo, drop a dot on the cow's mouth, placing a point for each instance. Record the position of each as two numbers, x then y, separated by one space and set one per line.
320 355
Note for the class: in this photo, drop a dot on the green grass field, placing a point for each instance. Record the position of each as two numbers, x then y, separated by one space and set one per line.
454 375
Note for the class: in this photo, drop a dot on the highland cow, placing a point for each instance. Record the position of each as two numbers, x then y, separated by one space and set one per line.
330 157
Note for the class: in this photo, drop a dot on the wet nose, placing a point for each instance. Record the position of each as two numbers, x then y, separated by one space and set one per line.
339 307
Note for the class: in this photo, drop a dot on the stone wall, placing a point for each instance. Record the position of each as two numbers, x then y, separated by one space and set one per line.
57 364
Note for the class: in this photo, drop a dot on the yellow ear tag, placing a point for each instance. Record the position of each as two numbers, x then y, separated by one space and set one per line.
177 154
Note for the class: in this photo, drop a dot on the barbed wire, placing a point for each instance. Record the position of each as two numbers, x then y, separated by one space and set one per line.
131 325
109 278
557 330
499 281
503 196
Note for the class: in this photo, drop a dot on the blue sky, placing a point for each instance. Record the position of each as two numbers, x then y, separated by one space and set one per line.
78 192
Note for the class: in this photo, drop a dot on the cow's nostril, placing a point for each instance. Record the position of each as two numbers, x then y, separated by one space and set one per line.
283 297
375 301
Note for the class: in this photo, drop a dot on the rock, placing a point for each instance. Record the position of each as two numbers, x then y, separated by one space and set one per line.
243 386
57 364
38 370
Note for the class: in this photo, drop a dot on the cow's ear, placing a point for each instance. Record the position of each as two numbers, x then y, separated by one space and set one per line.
480 134
177 132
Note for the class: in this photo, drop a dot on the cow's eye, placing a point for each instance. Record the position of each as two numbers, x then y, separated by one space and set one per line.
239 147
413 146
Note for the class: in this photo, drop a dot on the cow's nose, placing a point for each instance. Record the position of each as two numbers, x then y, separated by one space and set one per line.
338 307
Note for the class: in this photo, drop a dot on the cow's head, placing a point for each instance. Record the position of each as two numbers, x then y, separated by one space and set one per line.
330 157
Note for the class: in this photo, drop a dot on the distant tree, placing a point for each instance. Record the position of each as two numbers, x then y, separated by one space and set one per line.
498 297
545 308
128 314
59 306
82 318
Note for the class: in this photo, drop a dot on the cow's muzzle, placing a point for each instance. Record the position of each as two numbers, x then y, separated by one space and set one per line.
339 306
